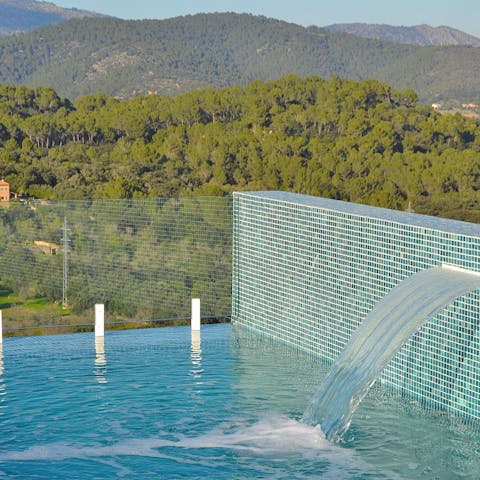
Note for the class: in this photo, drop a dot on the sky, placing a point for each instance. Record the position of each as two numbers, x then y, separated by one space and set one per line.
461 14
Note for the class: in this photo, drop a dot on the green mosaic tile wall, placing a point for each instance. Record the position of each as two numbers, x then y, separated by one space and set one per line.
306 271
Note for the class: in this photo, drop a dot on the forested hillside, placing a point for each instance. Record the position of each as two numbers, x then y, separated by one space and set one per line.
130 58
357 141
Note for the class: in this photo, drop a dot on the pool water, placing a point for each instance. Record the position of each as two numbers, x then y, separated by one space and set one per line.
159 403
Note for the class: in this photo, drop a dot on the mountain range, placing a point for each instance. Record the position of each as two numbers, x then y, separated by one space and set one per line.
22 15
129 58
417 35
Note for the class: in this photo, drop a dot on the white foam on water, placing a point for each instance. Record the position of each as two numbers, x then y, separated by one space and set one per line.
269 445
275 436
270 434
59 451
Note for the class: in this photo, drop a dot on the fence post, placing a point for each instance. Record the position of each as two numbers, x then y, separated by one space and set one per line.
99 320
195 314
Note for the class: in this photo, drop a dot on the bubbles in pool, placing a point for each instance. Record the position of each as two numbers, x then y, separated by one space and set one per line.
274 438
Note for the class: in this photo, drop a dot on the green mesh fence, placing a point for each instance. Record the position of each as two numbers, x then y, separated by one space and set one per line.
144 258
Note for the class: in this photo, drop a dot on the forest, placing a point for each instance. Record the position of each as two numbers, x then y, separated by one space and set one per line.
357 141
144 184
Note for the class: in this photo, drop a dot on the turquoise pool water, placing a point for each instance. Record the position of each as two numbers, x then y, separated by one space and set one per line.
158 403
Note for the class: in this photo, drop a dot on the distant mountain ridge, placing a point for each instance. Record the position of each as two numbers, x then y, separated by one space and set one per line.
416 35
22 15
126 58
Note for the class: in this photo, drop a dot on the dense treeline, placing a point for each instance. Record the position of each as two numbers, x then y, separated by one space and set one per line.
130 58
357 141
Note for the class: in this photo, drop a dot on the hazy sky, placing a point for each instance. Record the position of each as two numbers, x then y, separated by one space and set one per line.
461 14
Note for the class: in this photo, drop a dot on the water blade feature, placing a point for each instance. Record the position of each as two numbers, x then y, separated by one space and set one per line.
392 321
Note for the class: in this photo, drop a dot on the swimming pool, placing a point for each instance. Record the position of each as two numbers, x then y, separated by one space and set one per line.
157 403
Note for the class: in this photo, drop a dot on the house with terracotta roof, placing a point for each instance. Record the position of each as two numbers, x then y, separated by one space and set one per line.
4 191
